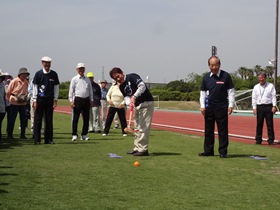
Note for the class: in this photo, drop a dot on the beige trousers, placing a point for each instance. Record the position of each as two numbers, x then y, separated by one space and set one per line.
144 114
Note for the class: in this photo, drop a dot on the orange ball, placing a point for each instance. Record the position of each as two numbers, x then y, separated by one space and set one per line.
136 163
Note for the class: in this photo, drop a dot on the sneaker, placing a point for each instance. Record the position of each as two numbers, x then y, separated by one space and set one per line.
104 134
84 137
74 137
116 126
124 135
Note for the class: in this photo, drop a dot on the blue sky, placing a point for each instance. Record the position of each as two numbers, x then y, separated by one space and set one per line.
163 39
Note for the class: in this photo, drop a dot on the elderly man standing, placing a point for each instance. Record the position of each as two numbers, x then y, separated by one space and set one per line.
103 101
94 112
17 95
45 95
81 100
216 102
264 106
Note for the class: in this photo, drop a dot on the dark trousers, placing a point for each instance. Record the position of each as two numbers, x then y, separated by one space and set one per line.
221 118
111 113
2 115
44 108
264 112
8 117
14 110
82 106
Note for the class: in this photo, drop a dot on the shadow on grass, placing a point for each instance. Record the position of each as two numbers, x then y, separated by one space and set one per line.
164 153
3 184
243 155
8 144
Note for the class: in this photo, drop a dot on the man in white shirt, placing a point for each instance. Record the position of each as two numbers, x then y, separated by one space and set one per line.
264 106
81 100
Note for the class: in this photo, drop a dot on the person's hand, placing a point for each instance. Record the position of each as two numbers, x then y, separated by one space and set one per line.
203 111
91 104
120 106
255 111
132 100
34 104
110 102
274 109
230 110
72 104
54 104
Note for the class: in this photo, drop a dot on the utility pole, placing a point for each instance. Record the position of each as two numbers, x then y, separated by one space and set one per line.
103 77
276 45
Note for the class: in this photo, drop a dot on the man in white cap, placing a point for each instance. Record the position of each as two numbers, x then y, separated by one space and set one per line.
17 95
45 95
81 100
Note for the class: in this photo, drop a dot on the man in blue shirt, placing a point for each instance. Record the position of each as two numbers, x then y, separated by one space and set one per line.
103 101
45 95
216 103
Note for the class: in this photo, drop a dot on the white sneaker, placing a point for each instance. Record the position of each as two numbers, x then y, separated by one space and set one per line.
74 138
84 137
124 135
104 134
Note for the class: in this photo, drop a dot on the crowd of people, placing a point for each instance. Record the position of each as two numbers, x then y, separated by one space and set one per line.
101 107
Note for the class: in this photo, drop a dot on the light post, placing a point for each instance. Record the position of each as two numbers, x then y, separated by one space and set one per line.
276 45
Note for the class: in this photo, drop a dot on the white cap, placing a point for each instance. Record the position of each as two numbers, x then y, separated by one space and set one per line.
46 59
80 65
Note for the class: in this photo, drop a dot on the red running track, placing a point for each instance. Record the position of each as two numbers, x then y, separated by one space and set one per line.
241 127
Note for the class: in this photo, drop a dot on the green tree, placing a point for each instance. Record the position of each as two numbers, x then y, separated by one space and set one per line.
257 69
269 70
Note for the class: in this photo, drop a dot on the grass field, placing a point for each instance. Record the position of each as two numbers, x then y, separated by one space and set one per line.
81 175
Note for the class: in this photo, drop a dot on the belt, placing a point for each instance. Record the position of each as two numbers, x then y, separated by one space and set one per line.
264 104
103 99
81 99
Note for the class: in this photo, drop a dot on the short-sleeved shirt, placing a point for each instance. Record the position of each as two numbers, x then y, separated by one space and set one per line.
45 83
130 85
217 89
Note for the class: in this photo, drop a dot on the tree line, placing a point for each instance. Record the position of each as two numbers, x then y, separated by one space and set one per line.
188 89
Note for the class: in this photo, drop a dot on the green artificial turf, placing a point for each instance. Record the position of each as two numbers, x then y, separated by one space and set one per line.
81 175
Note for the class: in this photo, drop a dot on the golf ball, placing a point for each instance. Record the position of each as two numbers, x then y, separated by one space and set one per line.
136 163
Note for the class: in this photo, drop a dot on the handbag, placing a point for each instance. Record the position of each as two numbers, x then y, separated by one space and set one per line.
22 98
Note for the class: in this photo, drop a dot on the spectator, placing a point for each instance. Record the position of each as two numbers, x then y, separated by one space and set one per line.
2 101
103 101
94 112
216 102
6 82
45 95
17 95
264 106
116 103
81 100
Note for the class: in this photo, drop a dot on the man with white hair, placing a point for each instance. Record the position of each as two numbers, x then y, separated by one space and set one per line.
81 100
45 95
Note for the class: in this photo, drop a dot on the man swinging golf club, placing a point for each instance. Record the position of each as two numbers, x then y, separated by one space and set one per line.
140 97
